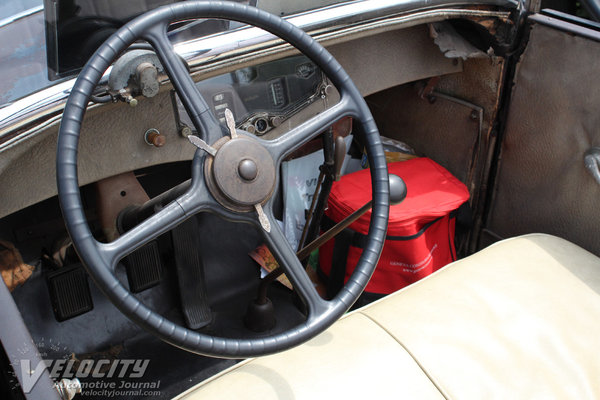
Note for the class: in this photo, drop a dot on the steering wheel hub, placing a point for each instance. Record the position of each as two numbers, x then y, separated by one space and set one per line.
241 174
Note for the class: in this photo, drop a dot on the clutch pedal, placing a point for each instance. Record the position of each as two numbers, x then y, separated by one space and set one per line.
70 294
190 274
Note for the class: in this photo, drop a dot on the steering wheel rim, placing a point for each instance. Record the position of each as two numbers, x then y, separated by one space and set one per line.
99 258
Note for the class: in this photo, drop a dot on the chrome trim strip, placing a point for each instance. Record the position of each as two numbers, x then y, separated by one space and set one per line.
18 16
210 53
208 61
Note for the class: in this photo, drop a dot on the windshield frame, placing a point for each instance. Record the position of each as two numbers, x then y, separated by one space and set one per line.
224 52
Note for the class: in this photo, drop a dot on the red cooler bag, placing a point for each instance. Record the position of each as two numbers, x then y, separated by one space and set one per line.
420 236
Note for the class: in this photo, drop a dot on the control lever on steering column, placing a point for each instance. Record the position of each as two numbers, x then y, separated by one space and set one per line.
328 172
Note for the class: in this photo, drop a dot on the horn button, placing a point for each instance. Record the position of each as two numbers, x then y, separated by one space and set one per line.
241 174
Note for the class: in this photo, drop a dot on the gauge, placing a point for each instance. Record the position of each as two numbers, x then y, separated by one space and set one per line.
245 75
221 102
261 125
261 97
277 93
305 70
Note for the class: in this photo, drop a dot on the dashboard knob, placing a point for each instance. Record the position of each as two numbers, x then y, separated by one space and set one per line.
250 129
276 121
327 91
154 138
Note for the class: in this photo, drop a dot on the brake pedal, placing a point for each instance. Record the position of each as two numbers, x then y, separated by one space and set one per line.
190 274
144 267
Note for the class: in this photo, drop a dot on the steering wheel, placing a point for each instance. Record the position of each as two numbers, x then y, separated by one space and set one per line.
234 177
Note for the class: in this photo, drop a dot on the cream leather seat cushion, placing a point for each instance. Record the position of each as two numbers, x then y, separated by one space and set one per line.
518 320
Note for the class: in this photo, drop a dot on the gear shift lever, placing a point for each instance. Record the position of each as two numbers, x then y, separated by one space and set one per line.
260 315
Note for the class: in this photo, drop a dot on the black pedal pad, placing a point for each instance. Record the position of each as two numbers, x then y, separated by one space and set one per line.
70 294
190 274
144 267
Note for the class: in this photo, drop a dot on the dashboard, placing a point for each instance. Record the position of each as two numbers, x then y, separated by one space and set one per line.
260 97
113 137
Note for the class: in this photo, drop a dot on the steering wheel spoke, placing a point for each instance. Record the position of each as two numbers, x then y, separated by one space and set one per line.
204 121
167 214
159 223
294 270
295 138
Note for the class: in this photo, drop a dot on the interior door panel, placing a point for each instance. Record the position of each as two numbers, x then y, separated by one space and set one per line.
542 182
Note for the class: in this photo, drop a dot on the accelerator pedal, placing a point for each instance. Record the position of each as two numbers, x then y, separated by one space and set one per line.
144 267
190 274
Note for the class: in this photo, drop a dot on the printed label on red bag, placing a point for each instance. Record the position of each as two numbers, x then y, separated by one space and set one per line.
414 268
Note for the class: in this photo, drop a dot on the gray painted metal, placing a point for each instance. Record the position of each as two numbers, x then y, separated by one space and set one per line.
22 351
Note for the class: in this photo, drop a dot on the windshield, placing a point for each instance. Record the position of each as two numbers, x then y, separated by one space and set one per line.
26 64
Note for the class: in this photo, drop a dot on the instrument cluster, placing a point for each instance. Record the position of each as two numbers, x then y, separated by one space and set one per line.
260 97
